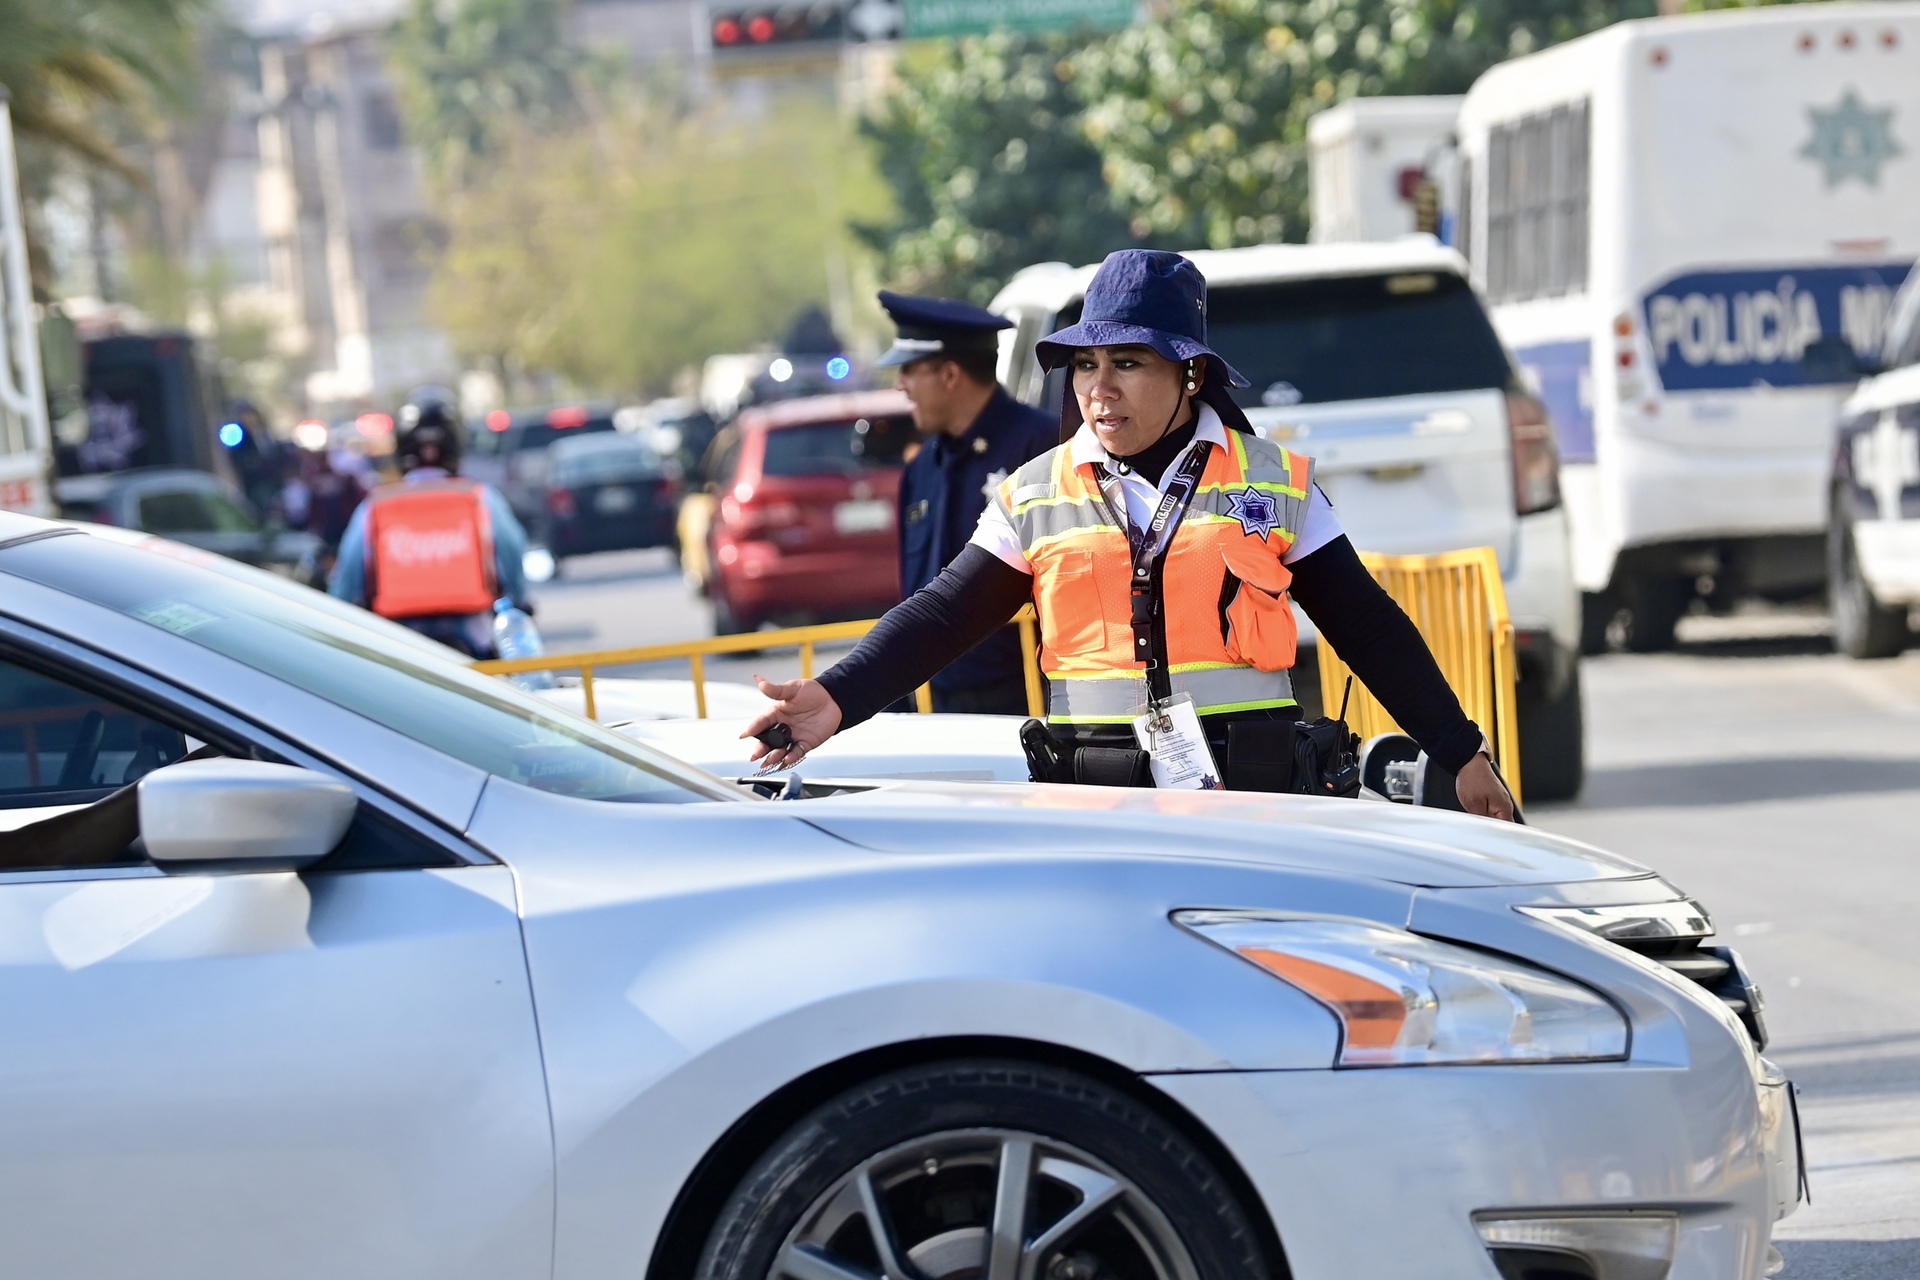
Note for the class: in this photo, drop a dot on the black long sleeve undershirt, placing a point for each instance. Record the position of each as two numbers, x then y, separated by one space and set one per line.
977 594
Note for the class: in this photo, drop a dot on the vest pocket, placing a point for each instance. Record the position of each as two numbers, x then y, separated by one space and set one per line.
1072 622
1256 618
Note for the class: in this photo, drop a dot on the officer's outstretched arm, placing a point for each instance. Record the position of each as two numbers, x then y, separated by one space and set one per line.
809 712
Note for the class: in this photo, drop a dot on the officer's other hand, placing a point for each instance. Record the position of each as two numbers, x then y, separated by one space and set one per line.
1481 791
808 711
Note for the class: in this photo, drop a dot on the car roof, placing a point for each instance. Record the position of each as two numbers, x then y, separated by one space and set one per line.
1054 284
834 408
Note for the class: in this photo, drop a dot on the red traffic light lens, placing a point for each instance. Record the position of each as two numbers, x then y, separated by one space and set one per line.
726 31
760 28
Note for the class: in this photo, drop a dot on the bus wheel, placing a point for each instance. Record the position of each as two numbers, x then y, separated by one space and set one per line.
1655 606
1862 626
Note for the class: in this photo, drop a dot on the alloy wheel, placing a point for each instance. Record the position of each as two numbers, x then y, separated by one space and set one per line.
983 1204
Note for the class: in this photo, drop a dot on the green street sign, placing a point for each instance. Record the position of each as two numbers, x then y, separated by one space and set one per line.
978 17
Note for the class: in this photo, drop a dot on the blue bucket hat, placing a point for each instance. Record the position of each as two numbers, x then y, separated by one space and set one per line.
1146 296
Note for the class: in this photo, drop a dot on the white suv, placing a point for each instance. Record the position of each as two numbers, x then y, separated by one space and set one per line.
1378 360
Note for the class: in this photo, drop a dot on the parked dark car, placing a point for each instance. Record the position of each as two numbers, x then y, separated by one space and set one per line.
607 492
805 527
193 507
508 450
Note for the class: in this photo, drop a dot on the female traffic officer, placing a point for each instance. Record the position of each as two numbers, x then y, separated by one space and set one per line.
1160 545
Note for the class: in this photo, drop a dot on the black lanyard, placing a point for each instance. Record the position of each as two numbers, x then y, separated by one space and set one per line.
1149 547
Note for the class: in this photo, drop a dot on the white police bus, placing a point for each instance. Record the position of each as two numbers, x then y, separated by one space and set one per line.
1666 216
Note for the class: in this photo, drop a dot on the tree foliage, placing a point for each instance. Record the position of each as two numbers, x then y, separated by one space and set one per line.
989 169
1201 117
618 255
74 69
474 73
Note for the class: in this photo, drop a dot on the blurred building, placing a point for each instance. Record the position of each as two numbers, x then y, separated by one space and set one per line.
344 220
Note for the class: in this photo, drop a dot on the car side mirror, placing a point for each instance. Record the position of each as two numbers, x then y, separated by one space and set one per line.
201 814
1833 359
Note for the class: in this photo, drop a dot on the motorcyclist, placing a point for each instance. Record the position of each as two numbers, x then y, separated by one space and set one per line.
434 550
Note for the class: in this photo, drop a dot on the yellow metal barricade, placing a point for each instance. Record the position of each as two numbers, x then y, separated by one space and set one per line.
696 653
1458 603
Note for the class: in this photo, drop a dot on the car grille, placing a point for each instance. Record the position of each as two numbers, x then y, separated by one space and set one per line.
1673 934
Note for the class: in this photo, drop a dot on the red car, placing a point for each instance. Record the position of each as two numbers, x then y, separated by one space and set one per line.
805 529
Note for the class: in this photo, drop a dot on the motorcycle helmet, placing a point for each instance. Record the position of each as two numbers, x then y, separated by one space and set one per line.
430 432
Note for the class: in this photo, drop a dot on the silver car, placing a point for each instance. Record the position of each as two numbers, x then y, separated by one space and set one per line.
323 956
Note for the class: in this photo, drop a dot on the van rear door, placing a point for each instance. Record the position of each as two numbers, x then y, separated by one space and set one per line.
1395 385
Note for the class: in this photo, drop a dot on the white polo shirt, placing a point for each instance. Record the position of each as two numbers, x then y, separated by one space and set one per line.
995 533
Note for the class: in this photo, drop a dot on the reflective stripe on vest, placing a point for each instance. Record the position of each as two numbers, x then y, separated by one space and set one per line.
1229 624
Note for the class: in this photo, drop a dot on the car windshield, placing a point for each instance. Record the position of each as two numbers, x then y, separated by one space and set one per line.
478 719
595 459
815 449
1355 338
540 433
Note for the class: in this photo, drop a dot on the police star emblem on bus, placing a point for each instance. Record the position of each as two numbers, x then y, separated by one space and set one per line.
1256 512
1851 140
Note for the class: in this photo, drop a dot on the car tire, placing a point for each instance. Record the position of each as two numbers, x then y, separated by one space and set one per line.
1598 612
1655 605
932 1149
1553 764
1862 626
727 622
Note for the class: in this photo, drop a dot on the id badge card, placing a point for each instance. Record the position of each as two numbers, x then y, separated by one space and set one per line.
1170 734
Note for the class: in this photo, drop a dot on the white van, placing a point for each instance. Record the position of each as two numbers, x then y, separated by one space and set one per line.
1873 541
1378 361
1666 215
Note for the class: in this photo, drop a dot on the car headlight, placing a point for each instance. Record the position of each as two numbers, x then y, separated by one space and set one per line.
1405 1000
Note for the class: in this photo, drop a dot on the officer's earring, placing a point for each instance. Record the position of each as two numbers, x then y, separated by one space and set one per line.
1192 386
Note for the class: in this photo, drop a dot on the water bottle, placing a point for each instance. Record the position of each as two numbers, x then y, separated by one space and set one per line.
515 636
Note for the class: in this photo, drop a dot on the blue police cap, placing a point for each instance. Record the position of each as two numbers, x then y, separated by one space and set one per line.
937 326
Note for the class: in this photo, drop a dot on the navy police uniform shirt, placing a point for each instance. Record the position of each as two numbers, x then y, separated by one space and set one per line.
942 494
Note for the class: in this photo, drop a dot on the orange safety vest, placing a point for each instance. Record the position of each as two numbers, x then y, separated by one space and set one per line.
1229 625
430 549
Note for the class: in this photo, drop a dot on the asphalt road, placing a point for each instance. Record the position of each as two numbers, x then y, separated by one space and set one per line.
1774 781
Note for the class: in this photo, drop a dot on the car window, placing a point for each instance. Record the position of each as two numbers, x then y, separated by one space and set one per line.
192 511
1903 338
478 719
816 449
60 744
1355 338
631 460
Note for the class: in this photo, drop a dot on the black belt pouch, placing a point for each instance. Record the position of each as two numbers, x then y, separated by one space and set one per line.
1112 767
1260 755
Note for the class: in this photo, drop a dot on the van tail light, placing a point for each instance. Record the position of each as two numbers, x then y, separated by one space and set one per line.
560 502
1536 462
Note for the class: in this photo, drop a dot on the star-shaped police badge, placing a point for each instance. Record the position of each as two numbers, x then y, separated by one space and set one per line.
1851 140
1256 511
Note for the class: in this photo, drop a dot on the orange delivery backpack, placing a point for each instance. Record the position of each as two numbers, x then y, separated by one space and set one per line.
430 549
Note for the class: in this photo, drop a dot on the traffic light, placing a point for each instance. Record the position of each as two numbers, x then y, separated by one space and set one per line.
761 26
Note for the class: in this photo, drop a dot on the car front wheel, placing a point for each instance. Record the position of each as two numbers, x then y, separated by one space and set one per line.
994 1170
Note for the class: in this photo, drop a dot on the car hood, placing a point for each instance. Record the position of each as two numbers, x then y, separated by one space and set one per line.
1421 847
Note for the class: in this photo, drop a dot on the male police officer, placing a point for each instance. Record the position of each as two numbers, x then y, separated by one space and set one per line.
977 435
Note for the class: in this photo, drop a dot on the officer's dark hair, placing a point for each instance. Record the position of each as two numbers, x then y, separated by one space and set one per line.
982 366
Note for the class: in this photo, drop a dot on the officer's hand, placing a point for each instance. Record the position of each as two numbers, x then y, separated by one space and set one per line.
1481 791
808 711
